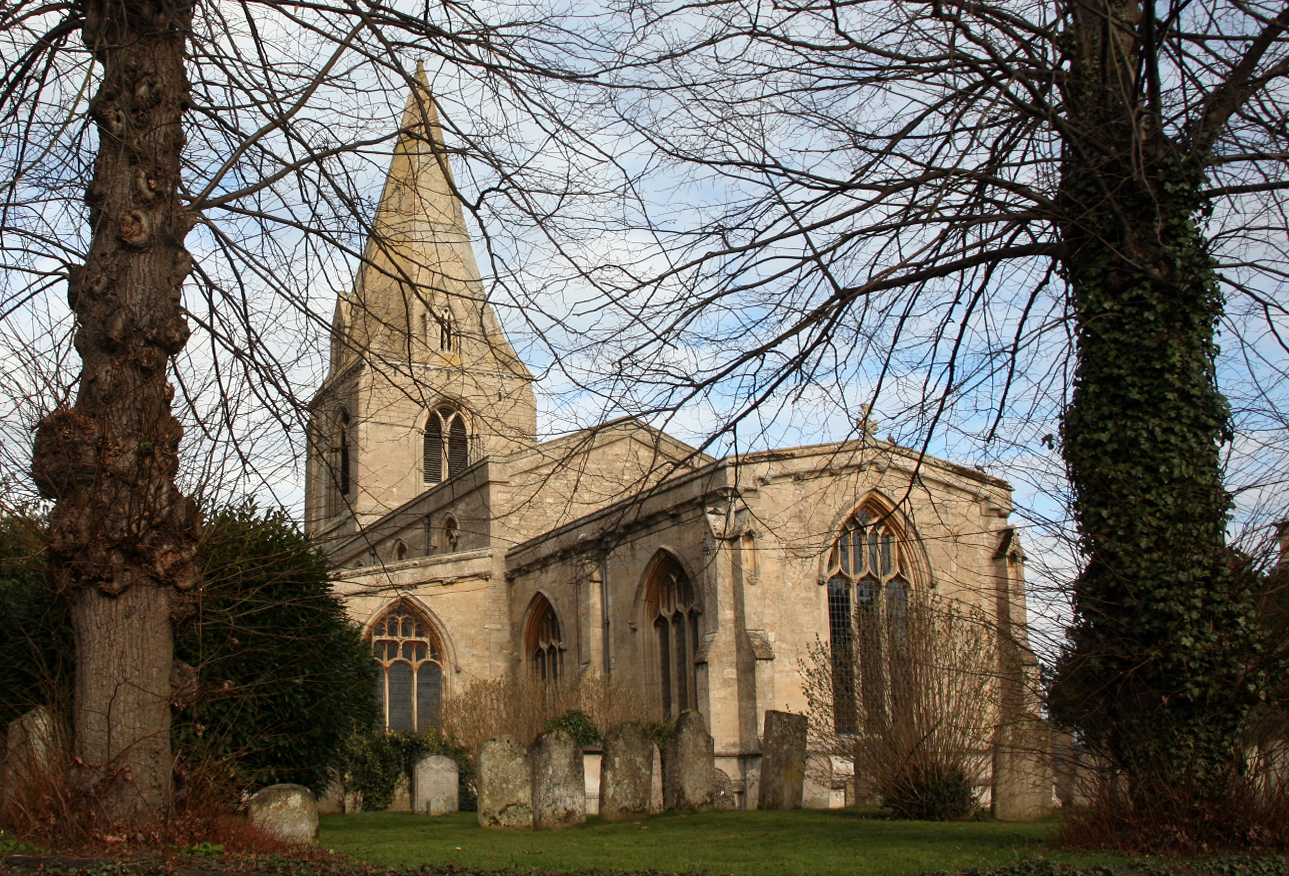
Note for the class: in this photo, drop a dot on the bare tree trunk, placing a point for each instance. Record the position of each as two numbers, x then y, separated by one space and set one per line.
122 538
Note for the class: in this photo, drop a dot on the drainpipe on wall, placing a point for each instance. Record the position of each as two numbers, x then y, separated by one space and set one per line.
604 605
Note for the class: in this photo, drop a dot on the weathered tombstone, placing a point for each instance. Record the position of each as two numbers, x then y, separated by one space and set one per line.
656 803
285 812
626 773
1023 779
505 784
559 781
33 752
436 785
688 769
591 762
816 791
723 794
783 761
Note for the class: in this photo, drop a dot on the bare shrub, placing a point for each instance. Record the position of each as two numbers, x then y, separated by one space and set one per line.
523 707
912 700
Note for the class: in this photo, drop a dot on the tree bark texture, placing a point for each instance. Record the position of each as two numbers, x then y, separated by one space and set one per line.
1158 674
122 538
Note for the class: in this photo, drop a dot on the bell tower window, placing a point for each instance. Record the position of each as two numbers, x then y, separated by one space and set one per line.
447 445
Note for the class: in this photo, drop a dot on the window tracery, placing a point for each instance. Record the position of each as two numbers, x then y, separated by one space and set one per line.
676 624
868 589
544 646
411 669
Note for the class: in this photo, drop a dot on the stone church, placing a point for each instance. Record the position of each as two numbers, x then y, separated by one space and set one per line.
469 549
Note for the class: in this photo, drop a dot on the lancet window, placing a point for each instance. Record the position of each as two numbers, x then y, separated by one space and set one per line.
676 615
543 641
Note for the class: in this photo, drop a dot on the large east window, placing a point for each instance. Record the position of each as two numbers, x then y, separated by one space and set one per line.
868 590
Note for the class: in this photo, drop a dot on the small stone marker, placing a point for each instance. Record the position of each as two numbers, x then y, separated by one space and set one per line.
33 751
436 785
783 761
688 769
285 812
505 785
559 781
816 792
626 773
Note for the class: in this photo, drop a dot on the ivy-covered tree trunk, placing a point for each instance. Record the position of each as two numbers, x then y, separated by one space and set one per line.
122 538
1158 675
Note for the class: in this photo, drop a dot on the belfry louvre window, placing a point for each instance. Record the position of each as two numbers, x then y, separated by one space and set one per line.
543 645
447 445
676 626
868 591
341 464
410 683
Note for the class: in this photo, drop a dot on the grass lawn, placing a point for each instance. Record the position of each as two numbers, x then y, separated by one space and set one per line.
836 842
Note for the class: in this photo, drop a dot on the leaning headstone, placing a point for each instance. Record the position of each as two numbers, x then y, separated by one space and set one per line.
505 785
285 812
436 785
816 791
33 752
559 781
723 793
656 803
688 769
626 773
783 761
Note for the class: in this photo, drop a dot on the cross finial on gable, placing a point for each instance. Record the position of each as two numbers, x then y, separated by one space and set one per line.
867 425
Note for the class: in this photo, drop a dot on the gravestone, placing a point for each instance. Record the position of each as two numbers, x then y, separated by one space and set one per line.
783 761
816 791
33 752
723 793
285 812
559 781
505 785
436 785
689 766
1023 779
626 773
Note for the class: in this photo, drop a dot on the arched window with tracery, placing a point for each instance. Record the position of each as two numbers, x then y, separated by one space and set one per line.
868 588
411 668
447 444
676 612
542 641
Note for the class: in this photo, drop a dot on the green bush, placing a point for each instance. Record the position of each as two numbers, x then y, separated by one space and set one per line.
37 653
282 675
374 760
578 725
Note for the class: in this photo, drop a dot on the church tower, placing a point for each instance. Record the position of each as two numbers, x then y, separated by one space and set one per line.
422 382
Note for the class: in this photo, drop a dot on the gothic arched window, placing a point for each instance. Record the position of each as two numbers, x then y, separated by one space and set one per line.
446 337
868 589
411 669
542 641
340 464
670 596
447 444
